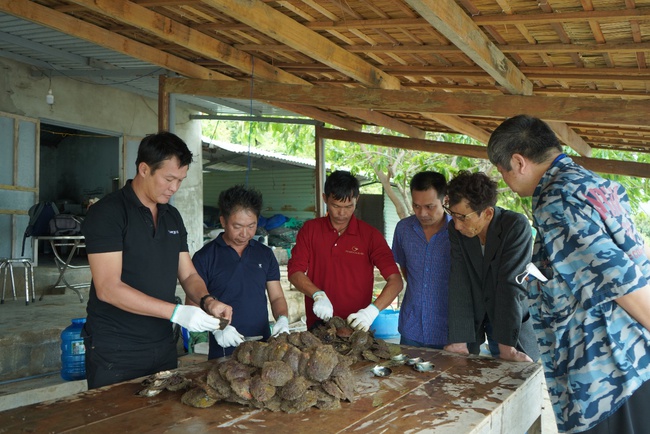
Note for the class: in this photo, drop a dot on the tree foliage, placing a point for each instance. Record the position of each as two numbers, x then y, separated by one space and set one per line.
394 168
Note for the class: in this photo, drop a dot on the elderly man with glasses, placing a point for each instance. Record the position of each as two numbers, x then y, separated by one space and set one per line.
490 246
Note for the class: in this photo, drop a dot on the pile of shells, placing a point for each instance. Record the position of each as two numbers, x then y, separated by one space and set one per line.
357 344
290 373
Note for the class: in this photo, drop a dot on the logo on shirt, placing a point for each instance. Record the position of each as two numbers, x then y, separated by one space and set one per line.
354 250
259 265
173 232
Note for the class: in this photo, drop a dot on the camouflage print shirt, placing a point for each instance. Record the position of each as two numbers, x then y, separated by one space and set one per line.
595 355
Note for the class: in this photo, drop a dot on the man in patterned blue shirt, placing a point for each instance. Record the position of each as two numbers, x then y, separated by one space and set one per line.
592 315
421 248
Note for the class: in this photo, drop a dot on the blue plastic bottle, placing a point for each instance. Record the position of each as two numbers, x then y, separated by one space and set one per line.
73 351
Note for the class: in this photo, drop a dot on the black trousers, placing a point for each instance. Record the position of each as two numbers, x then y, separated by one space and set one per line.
633 417
110 363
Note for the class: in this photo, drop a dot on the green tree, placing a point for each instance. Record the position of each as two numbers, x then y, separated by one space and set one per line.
394 168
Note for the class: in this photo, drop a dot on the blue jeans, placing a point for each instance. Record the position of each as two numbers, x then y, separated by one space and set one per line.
412 343
492 344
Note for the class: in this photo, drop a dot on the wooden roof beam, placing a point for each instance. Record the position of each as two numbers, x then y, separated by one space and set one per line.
459 124
278 26
570 138
171 31
579 110
450 20
614 167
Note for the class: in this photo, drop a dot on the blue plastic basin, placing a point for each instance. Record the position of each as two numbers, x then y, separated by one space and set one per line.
385 325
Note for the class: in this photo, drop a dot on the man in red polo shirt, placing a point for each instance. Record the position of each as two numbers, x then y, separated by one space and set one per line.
334 259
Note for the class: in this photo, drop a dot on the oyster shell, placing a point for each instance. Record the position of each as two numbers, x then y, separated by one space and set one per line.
261 390
242 388
276 350
381 371
294 388
196 397
321 363
308 399
259 354
309 340
423 366
333 389
276 373
232 369
243 352
292 358
294 339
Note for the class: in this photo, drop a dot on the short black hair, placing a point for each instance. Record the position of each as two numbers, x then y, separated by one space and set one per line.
342 185
154 149
524 135
423 181
240 197
479 190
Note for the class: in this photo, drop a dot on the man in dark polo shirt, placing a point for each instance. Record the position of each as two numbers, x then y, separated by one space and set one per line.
241 272
137 249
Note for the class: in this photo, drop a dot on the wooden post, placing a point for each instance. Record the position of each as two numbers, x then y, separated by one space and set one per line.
320 171
163 104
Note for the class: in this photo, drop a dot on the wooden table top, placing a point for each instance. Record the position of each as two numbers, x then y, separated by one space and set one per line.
460 395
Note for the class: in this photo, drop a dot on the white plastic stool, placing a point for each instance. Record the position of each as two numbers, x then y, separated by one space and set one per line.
8 263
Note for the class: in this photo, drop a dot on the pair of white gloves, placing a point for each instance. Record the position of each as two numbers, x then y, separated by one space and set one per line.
362 320
195 320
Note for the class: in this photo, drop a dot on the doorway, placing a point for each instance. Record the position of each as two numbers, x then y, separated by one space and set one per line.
76 165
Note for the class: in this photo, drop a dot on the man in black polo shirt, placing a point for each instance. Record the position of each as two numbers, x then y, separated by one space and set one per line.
137 249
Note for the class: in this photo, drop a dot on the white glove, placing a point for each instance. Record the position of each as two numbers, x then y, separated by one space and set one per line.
193 319
228 337
363 319
323 308
281 326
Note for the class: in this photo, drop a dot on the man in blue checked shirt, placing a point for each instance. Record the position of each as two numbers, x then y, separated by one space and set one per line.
592 314
421 248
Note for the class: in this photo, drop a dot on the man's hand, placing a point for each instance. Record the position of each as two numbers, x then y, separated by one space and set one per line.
323 308
363 319
228 337
507 352
281 326
218 309
459 348
194 319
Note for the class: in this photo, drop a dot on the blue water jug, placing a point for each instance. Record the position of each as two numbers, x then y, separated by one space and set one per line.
73 351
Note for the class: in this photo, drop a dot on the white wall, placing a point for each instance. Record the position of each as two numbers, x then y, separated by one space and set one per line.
102 108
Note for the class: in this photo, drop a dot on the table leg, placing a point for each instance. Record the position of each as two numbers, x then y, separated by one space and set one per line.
62 266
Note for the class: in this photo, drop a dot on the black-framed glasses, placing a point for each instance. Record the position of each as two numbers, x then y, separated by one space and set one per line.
458 216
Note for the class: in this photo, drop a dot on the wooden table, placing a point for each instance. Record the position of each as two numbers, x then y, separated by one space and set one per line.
461 395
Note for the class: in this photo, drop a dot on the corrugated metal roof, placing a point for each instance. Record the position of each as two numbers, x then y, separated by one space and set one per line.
223 156
57 54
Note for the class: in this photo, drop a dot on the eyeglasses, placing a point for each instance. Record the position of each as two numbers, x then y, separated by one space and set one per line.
457 216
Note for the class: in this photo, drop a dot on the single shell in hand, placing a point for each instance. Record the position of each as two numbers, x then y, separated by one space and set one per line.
381 371
424 366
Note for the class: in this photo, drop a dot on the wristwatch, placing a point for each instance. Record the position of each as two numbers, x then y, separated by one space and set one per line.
202 302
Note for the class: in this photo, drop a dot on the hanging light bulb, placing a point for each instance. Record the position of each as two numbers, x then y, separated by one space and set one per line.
49 98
